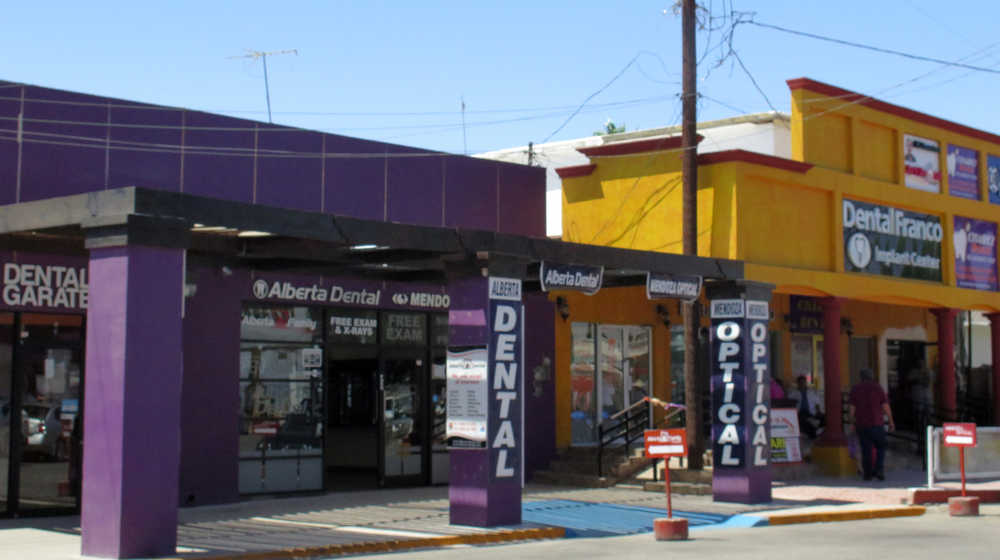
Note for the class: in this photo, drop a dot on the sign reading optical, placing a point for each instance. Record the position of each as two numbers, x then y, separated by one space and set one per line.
676 286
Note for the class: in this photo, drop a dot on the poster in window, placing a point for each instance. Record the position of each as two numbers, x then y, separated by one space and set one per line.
963 172
921 163
975 251
993 177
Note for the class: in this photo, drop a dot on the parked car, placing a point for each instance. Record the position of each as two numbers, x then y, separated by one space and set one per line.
42 431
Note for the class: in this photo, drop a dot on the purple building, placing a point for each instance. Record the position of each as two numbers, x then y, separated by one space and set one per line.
219 307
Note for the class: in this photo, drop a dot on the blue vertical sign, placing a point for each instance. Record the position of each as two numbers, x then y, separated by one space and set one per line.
505 392
741 398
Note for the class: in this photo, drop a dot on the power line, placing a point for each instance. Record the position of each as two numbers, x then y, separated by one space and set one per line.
872 48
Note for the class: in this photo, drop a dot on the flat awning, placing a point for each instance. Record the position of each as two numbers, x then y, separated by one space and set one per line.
271 238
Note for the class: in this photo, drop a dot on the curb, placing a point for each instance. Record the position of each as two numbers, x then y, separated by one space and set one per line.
848 515
941 495
392 545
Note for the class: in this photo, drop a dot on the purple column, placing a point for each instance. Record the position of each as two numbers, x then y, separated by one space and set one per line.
132 402
741 400
485 484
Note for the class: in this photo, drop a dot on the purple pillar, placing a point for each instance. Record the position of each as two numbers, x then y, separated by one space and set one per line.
485 484
741 397
132 402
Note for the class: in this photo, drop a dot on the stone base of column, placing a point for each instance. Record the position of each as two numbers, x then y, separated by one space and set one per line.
741 487
834 460
963 506
670 528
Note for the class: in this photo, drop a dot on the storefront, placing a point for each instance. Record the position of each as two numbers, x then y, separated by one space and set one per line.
41 384
876 234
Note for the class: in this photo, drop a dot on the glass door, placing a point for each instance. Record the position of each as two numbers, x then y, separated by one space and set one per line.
352 440
48 380
404 420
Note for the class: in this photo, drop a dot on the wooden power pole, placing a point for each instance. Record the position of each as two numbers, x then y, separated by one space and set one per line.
689 177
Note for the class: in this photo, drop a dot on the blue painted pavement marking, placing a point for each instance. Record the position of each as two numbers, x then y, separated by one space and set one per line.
589 519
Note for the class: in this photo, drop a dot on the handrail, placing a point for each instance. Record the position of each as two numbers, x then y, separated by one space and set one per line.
629 423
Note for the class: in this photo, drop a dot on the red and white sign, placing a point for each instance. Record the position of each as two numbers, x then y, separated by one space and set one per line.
959 434
264 428
666 443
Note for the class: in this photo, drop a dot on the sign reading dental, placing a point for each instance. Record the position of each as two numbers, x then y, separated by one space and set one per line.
890 241
659 286
372 294
45 286
740 384
505 349
573 277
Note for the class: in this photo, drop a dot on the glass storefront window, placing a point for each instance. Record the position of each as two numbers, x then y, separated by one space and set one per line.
583 398
281 400
404 329
677 363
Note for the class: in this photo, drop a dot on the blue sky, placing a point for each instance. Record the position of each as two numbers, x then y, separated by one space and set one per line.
397 71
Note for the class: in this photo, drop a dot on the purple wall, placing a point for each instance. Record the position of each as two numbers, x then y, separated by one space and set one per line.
539 383
210 398
103 143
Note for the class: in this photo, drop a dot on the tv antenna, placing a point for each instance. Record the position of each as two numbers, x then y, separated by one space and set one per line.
252 54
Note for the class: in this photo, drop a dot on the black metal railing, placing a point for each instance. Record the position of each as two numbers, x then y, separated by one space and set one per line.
621 430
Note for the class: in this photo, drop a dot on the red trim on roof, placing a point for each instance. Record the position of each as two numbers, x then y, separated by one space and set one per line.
634 146
924 118
576 170
755 158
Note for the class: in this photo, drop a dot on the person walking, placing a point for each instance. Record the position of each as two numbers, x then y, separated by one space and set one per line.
866 407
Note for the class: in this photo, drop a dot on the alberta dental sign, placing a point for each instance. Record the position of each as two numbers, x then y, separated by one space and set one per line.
343 292
740 384
45 286
891 242
572 277
505 428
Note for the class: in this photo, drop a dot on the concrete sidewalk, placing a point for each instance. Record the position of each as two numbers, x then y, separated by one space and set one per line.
401 519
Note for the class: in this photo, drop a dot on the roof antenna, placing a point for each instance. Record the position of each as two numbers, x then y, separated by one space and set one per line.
465 147
263 56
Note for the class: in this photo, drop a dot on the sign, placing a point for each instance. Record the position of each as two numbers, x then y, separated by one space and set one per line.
785 434
889 241
993 178
665 443
505 351
740 384
404 329
573 277
320 290
677 286
806 315
975 244
466 413
922 163
959 434
963 172
352 326
45 286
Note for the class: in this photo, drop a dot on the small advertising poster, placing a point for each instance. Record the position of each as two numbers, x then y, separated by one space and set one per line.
993 176
466 397
785 436
963 172
922 163
975 244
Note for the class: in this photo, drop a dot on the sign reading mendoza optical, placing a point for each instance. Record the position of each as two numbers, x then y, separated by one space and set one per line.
890 241
573 277
677 286
975 244
505 352
740 384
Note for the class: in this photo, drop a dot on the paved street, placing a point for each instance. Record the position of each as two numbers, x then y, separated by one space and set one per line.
933 536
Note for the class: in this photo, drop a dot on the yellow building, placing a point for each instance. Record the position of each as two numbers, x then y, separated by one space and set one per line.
876 233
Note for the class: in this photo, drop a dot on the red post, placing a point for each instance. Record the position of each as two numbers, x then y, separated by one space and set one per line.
995 346
666 478
946 360
961 463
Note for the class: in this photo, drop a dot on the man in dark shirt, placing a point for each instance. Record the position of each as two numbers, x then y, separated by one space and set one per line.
866 407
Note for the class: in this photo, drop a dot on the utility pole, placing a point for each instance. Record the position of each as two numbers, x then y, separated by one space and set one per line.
263 56
689 178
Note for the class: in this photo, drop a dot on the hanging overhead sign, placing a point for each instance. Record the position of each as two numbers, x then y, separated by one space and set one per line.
676 286
890 241
572 277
